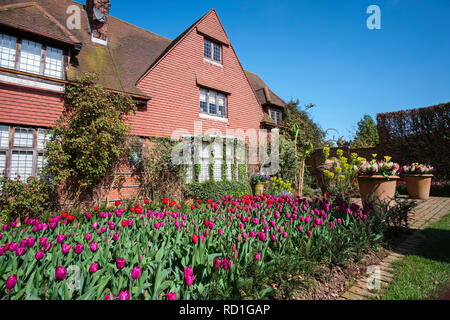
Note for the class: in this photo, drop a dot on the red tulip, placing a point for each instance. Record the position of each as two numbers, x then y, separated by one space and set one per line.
117 203
70 218
96 208
195 238
64 215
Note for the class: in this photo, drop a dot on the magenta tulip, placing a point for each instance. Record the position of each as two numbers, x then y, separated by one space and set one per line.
120 263
171 296
11 282
189 276
93 246
60 273
39 255
93 268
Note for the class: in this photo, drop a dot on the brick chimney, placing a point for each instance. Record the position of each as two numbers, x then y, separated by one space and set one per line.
97 11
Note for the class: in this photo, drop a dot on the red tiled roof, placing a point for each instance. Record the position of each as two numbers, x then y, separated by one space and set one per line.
263 93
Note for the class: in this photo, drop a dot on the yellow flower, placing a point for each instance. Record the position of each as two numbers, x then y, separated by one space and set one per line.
387 158
374 155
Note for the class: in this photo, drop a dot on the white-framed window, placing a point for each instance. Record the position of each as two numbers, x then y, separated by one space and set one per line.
23 137
276 115
42 138
30 57
204 162
21 155
203 100
4 137
212 50
213 103
21 164
40 163
53 63
2 162
218 160
8 46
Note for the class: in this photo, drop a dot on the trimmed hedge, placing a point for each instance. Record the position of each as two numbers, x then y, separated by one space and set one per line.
215 189
418 135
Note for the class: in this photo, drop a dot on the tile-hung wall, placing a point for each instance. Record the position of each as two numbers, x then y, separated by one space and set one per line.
22 151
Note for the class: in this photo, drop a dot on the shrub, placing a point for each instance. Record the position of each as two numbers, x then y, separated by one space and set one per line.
24 199
157 175
215 189
88 140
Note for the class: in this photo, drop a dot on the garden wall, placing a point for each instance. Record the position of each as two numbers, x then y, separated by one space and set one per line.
417 135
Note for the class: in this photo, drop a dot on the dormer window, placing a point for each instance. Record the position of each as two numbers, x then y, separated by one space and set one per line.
276 115
30 57
212 51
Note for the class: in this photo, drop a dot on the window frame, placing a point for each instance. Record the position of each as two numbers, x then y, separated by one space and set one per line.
212 46
278 115
43 56
217 94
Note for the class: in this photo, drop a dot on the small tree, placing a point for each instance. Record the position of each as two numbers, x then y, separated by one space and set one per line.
88 140
367 134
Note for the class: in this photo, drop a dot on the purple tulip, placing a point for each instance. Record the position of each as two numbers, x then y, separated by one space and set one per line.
60 238
60 273
120 263
124 295
11 282
171 296
20 251
93 268
116 237
65 248
226 264
47 246
78 248
42 241
88 236
136 273
189 276
93 246
39 255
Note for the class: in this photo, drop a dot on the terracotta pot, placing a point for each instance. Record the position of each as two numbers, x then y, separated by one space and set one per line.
418 185
258 189
377 187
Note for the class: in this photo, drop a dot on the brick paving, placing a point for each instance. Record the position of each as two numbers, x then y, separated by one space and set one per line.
426 213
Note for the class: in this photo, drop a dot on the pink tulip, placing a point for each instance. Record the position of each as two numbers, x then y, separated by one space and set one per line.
65 248
136 272
189 276
258 256
124 295
93 268
11 282
78 248
171 296
60 273
39 255
120 263
93 246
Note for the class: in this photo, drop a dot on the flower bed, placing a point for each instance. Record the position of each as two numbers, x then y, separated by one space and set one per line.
142 253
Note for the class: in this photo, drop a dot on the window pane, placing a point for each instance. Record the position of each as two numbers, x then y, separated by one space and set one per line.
30 57
43 137
40 163
23 137
212 102
7 51
221 104
4 137
21 164
203 103
207 49
53 62
2 162
217 52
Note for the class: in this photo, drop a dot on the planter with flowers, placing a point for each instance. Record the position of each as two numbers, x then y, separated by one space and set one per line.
378 179
257 181
418 180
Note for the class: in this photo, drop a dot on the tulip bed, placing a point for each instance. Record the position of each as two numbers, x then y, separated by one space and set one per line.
140 252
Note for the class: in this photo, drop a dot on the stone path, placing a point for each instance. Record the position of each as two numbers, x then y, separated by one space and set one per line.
426 213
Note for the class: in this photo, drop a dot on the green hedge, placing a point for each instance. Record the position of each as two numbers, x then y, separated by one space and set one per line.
215 189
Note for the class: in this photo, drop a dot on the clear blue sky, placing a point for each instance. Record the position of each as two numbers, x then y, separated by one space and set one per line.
321 51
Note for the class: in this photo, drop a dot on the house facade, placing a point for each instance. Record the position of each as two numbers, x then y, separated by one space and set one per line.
192 85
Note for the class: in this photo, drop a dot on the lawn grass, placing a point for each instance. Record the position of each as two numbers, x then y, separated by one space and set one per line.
426 274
